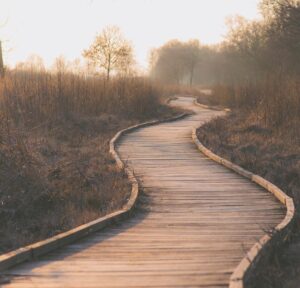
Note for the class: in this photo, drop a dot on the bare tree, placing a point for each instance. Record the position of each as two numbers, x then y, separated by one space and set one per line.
192 57
167 62
175 61
110 51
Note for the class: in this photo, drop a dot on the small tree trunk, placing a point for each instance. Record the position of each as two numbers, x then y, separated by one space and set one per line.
108 68
191 77
1 62
107 74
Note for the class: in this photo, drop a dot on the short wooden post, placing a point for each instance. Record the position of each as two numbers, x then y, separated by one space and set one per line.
1 62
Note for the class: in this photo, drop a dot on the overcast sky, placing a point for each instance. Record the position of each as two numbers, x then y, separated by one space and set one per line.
51 28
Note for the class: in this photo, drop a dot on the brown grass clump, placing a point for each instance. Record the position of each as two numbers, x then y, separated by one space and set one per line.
55 171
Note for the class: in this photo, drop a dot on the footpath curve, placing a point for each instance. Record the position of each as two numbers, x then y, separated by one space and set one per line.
195 220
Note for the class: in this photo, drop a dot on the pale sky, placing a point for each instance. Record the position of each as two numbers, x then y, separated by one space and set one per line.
51 28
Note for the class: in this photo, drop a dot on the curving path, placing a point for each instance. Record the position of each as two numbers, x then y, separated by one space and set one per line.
195 222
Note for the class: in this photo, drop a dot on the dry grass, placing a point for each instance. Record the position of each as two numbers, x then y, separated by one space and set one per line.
274 102
248 143
55 171
34 97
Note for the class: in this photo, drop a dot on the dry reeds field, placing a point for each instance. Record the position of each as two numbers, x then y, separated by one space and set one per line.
55 170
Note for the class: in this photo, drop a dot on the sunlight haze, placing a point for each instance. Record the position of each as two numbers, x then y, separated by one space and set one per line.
66 27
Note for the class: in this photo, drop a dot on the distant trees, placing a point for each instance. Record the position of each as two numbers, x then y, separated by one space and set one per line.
110 51
255 68
258 65
255 49
175 62
192 57
167 62
251 50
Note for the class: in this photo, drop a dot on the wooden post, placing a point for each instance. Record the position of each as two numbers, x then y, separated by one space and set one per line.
1 63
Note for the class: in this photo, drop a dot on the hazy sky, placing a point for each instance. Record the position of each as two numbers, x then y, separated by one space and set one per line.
65 27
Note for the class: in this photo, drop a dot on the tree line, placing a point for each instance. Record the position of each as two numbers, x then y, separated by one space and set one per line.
256 67
250 50
176 62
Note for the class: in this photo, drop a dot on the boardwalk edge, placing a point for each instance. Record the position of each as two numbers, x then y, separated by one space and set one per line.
281 231
33 251
210 107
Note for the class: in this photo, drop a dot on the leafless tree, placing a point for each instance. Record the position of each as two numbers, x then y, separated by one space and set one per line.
192 56
110 51
176 62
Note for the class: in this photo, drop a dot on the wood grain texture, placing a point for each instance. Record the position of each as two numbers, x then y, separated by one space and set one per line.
195 221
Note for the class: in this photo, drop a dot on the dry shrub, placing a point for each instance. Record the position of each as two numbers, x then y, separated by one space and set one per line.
273 102
33 97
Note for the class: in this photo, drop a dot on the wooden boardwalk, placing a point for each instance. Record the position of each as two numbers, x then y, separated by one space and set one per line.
195 222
